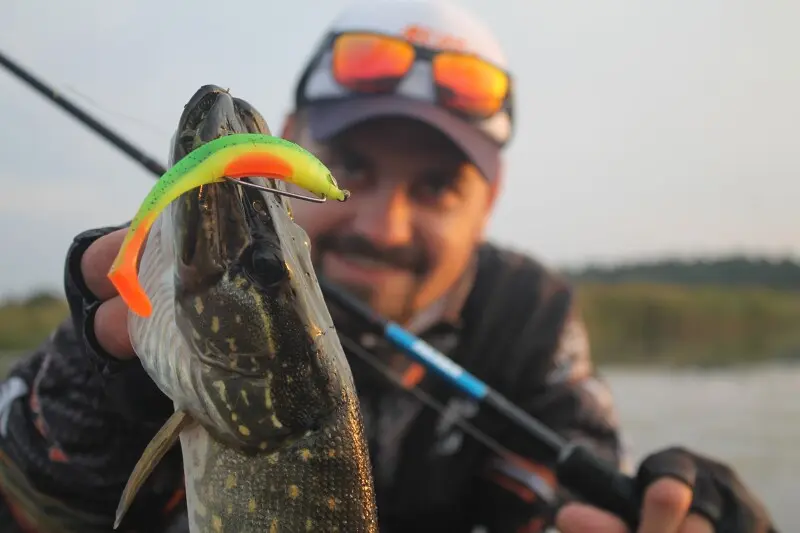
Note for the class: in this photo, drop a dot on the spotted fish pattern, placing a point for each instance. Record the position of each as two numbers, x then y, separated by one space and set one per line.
241 340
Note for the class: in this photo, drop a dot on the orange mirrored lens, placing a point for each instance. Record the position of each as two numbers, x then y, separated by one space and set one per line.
470 84
363 62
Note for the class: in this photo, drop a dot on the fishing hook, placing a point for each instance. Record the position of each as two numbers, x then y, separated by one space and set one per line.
276 191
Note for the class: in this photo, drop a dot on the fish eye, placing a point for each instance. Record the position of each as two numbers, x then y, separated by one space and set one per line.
266 267
259 208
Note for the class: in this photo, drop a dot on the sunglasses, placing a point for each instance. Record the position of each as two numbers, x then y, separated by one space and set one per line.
374 63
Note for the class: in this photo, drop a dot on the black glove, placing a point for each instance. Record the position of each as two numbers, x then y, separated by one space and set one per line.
127 387
719 494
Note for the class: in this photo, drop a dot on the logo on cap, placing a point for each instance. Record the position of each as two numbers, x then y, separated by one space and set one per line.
430 38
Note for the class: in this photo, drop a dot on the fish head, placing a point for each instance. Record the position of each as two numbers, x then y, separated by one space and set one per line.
246 298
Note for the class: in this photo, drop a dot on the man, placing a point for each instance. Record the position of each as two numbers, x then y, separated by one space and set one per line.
415 131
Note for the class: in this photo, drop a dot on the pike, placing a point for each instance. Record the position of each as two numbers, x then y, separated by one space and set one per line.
240 339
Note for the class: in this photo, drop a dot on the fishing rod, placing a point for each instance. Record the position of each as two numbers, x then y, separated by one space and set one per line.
577 468
140 157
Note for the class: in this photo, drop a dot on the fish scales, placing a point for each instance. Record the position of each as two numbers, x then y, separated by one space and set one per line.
302 487
241 340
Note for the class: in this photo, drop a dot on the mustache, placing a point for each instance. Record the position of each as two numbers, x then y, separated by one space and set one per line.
411 258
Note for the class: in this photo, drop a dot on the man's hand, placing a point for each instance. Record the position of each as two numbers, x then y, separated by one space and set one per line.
665 509
682 492
100 317
111 319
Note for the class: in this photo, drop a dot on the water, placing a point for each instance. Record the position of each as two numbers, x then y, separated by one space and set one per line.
749 418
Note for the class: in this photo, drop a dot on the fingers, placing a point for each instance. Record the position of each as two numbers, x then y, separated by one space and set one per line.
111 328
666 504
696 524
667 479
111 318
580 518
664 510
96 262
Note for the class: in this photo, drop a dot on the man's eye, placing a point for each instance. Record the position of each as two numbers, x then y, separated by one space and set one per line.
438 189
349 169
435 187
353 164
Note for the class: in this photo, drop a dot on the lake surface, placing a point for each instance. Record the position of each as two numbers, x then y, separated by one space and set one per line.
748 417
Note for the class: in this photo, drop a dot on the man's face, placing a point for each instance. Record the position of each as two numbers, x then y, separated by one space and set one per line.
417 210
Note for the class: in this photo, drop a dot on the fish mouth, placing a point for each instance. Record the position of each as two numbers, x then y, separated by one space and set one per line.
222 230
220 225
212 112
238 341
229 243
246 299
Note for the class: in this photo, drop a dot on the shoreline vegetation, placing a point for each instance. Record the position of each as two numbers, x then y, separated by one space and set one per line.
692 313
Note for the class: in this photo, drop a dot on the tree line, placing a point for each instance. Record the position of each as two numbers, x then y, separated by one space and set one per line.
781 274
720 311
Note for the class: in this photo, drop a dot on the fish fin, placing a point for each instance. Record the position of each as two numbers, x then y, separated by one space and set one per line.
164 440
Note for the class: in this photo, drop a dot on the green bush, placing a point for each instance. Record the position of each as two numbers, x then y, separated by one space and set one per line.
627 322
26 323
698 325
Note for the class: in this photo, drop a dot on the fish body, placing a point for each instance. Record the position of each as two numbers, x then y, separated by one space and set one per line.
241 340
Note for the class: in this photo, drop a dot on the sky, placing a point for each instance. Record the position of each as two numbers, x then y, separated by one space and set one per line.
644 129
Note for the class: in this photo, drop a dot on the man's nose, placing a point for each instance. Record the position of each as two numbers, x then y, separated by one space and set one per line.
385 218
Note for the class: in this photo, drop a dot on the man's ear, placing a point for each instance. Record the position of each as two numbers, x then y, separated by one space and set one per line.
495 187
289 127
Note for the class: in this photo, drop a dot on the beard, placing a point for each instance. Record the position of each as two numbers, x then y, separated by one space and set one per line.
393 301
395 297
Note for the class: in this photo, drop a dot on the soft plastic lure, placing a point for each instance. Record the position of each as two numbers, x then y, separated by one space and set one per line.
238 155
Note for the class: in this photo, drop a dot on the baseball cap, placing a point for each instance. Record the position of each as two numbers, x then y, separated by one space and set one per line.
331 108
